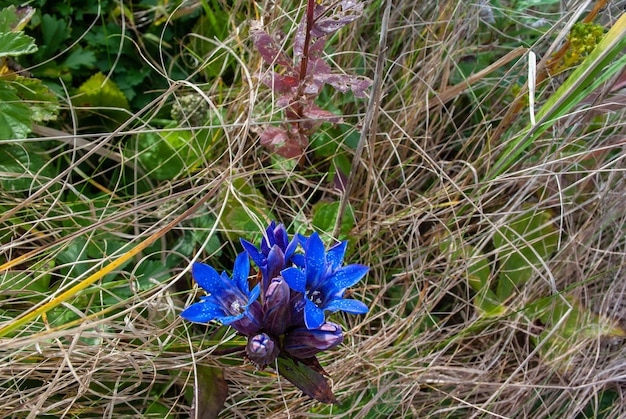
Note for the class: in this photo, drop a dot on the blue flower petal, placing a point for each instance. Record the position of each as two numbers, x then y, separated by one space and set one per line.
335 254
226 320
202 312
254 253
291 248
313 315
348 275
281 237
295 278
298 260
349 306
315 258
207 277
241 271
254 294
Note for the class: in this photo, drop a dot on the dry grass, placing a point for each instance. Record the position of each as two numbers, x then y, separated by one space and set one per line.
423 350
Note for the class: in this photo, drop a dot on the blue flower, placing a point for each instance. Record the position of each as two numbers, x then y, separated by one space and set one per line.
229 301
275 254
323 281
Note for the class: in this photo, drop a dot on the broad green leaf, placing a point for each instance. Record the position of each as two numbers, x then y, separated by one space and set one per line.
165 155
42 103
522 245
16 43
202 224
99 91
325 216
568 324
210 394
311 382
79 58
73 260
8 19
54 32
15 115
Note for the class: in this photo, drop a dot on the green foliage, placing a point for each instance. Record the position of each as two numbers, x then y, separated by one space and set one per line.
14 119
22 100
245 211
25 284
325 216
102 94
567 323
522 246
214 25
14 44
478 274
25 168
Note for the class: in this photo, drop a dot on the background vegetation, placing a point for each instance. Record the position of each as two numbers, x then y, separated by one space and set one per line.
488 202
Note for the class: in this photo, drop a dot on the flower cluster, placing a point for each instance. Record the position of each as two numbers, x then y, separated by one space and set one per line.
284 313
583 38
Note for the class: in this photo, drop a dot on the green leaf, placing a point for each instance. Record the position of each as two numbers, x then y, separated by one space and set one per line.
522 245
54 32
165 155
210 394
15 116
325 216
24 168
43 104
8 19
16 43
80 58
99 91
311 382
14 20
106 99
568 324
32 283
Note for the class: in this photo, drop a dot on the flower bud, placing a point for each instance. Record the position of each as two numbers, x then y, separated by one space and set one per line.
305 343
275 263
262 350
277 308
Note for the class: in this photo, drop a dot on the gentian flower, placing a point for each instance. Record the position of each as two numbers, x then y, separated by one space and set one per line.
230 302
323 281
275 253
283 315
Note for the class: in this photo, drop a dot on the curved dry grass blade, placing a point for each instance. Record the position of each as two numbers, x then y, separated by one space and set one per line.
56 301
